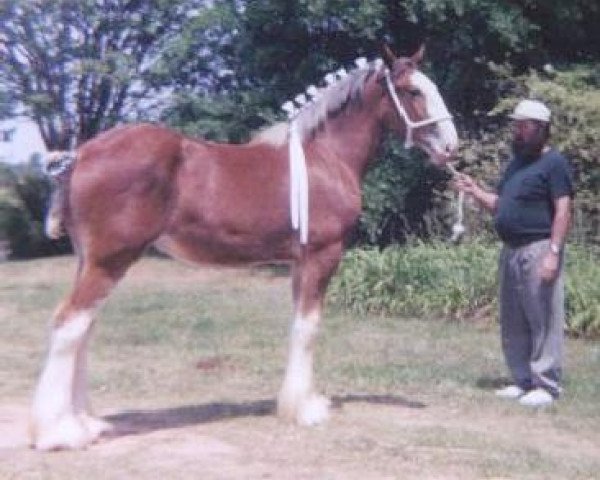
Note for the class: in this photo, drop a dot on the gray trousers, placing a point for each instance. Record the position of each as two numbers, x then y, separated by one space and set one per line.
531 317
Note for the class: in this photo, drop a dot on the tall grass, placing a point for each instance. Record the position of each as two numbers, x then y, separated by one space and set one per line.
454 282
583 291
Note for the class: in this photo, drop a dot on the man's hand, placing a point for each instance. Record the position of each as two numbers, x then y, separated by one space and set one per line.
465 183
549 267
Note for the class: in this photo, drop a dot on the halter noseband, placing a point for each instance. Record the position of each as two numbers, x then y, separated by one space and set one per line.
410 125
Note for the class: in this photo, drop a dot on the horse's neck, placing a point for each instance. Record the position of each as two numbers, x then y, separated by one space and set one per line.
352 138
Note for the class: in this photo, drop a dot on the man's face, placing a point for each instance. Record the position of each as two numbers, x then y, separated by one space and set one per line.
529 137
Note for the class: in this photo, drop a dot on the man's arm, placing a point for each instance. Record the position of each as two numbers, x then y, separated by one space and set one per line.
487 200
560 227
561 221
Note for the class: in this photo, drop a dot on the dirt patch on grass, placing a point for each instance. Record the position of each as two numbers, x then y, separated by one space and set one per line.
365 439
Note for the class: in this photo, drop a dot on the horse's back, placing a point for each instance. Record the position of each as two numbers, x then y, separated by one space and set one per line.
130 143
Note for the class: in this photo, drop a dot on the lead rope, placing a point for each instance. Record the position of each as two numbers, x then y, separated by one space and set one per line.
458 229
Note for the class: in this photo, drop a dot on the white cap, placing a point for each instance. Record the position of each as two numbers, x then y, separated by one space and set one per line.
531 110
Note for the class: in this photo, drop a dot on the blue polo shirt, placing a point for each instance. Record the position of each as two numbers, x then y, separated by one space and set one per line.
526 197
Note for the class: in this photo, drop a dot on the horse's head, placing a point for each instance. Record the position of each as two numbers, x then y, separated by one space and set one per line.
417 109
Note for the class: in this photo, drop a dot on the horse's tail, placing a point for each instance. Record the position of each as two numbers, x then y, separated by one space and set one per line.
58 165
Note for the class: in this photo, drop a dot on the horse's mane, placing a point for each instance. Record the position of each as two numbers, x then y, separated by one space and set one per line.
345 91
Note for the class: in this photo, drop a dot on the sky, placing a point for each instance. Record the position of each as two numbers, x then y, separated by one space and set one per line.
24 141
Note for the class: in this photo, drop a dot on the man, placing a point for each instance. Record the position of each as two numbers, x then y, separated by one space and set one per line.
532 210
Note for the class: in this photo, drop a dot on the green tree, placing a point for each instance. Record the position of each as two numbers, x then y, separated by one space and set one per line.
223 68
255 55
80 66
6 104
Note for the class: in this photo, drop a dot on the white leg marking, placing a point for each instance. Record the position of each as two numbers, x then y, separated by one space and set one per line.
95 426
54 421
80 400
297 400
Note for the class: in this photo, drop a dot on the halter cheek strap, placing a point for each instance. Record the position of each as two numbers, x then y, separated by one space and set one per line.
410 125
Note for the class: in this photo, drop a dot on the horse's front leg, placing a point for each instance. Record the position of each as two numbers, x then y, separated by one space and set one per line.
298 401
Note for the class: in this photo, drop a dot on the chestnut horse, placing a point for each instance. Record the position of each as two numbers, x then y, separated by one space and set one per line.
141 185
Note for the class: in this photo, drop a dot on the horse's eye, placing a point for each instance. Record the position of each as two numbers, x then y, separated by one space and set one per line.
414 92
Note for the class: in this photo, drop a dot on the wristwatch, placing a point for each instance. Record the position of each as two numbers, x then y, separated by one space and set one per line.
554 248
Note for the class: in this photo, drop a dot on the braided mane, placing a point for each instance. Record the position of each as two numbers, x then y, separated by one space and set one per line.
344 90
332 99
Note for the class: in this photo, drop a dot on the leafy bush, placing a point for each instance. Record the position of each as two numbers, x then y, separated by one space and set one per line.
429 280
401 198
24 193
454 282
574 98
583 291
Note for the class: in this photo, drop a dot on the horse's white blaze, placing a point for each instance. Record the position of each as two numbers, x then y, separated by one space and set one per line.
58 390
436 108
297 399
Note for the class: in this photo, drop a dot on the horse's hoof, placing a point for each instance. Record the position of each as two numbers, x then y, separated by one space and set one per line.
309 411
314 410
68 433
95 426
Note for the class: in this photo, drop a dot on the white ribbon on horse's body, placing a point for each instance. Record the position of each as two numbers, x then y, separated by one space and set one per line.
298 184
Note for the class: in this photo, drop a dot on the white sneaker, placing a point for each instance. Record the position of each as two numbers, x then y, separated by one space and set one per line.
511 391
536 398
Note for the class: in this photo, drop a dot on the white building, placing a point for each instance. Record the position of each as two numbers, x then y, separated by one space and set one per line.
19 139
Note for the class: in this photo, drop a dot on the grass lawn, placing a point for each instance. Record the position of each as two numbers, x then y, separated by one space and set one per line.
187 362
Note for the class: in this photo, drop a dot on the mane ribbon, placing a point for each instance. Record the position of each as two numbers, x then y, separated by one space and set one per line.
410 125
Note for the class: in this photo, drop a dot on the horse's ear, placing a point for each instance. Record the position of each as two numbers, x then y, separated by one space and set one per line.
388 56
418 56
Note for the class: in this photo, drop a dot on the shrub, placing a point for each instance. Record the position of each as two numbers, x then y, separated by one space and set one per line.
429 280
24 191
583 291
438 280
574 98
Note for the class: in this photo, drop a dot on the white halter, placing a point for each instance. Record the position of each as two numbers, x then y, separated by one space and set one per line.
297 159
410 125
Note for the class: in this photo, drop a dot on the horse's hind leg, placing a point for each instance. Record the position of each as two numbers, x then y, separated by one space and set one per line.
297 400
60 416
